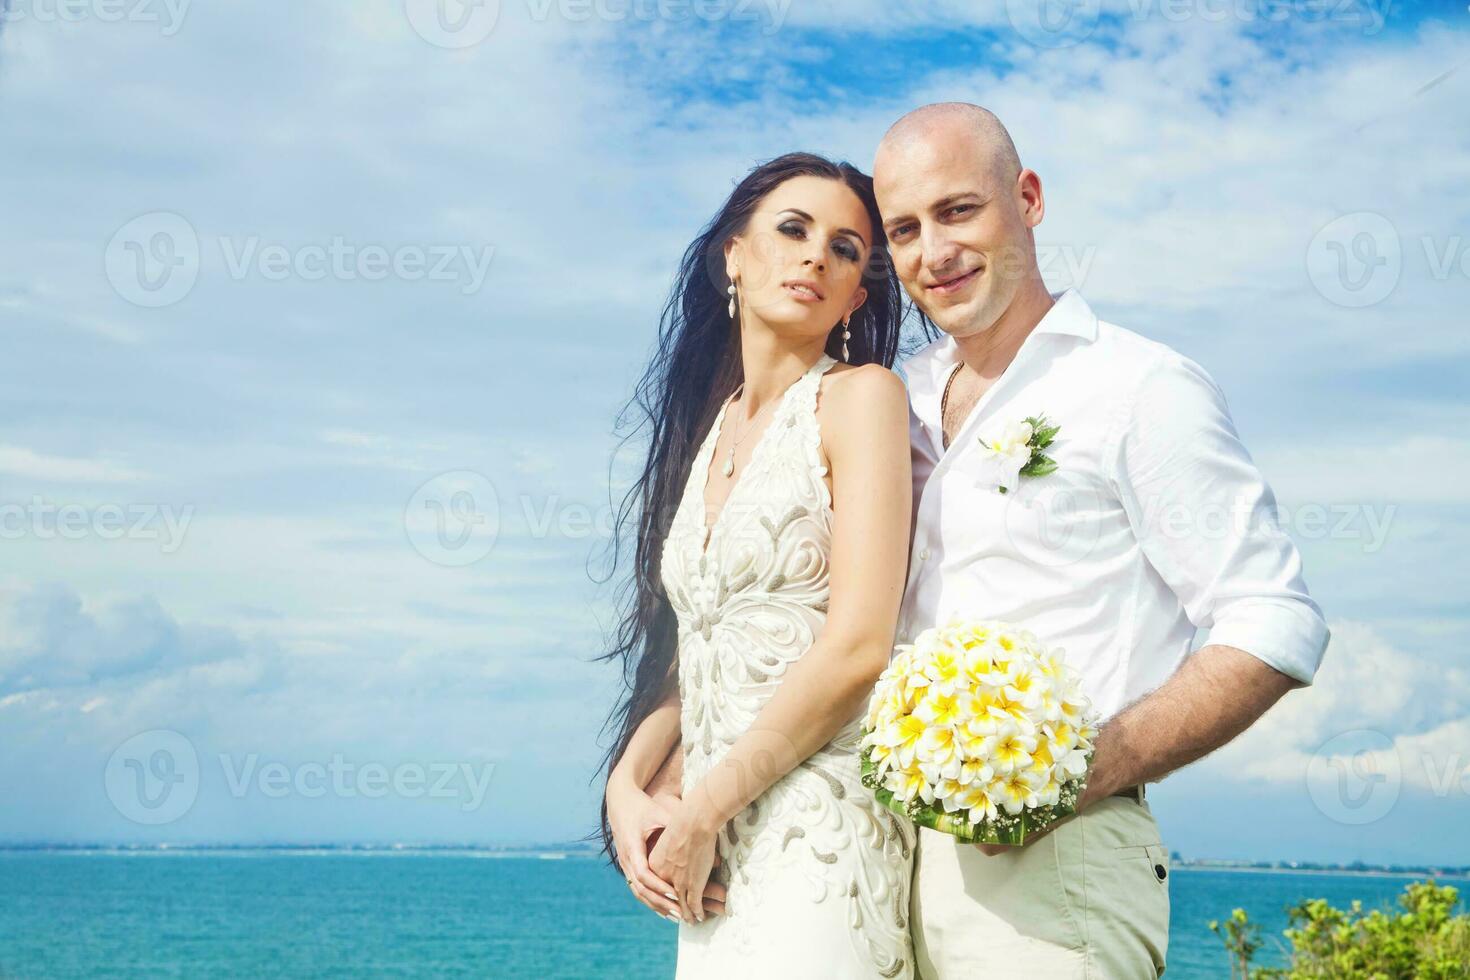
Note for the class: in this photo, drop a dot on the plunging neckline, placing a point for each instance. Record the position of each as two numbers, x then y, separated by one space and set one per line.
707 527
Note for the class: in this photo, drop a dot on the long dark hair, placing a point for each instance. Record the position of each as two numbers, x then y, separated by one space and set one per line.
696 364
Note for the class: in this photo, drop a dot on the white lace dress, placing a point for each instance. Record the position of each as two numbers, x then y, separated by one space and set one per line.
817 872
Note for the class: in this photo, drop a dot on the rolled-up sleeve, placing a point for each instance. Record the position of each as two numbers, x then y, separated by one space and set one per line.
1207 521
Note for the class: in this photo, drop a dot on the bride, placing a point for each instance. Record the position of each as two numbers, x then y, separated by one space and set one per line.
773 514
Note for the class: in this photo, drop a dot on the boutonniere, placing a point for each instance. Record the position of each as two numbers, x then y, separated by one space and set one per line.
1021 451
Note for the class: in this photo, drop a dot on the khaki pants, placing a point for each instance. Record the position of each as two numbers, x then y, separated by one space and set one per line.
1084 902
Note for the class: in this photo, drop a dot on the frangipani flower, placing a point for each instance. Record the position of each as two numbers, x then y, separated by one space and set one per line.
904 736
1013 749
942 762
1013 443
908 784
939 710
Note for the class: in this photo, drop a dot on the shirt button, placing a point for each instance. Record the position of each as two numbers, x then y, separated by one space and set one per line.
924 555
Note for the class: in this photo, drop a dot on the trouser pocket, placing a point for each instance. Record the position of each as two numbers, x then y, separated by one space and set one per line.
1115 872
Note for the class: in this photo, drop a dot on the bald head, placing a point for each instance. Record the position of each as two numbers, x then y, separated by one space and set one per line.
950 125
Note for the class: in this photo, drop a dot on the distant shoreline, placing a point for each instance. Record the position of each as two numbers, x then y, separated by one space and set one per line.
556 853
1334 872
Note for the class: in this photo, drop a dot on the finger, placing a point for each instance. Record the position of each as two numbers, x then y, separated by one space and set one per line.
714 898
684 894
696 896
656 902
645 875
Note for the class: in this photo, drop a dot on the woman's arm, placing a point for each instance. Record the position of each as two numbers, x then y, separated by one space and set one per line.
865 415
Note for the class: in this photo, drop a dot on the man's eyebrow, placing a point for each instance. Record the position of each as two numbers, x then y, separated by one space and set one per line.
806 217
938 205
949 199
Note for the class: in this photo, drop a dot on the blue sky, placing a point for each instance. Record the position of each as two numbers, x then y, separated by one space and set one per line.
250 444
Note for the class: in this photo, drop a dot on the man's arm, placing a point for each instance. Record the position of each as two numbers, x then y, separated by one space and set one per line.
1215 695
1240 579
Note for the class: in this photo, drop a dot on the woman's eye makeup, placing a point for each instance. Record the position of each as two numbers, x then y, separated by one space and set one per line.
842 247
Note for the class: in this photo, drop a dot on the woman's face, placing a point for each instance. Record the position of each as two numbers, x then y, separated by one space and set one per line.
798 265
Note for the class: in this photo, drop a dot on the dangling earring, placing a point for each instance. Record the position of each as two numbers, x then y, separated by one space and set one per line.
731 291
846 336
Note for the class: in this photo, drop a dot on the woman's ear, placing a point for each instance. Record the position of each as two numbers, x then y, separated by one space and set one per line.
732 259
858 299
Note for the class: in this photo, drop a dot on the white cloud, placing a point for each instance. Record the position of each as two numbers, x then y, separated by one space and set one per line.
31 465
1365 685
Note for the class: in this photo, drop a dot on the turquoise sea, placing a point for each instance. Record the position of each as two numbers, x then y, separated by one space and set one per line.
438 914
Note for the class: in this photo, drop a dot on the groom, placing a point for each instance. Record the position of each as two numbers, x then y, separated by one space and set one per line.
1154 523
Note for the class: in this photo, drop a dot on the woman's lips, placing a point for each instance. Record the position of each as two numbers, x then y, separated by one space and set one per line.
802 292
955 285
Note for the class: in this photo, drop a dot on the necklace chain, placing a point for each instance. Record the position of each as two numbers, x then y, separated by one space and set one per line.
729 468
944 401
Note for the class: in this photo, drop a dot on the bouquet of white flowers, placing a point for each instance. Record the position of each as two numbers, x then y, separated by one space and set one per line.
977 730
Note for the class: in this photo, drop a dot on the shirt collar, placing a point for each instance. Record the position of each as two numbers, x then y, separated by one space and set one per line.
929 369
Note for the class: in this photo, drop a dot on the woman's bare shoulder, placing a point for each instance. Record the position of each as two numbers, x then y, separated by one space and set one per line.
863 401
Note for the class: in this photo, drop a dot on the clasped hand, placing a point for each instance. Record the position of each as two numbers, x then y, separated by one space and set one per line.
638 821
683 857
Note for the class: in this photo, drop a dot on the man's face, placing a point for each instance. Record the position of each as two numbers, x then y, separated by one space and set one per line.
959 231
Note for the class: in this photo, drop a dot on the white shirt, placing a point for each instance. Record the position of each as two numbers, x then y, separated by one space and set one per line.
1155 523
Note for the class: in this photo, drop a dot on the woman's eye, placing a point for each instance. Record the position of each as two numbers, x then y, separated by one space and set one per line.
845 248
792 228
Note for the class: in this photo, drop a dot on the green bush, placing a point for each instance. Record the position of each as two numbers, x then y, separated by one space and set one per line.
1424 941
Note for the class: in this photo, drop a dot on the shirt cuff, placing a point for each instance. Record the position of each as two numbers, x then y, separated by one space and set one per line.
1290 636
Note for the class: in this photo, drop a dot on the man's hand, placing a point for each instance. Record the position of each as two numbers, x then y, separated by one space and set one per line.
1217 693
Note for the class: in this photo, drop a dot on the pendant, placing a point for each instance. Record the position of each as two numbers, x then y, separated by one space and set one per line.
729 466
